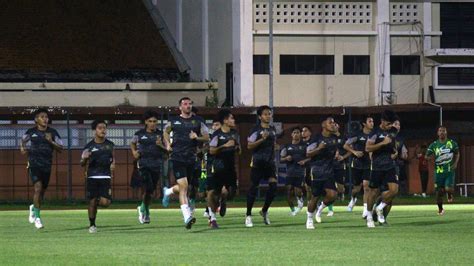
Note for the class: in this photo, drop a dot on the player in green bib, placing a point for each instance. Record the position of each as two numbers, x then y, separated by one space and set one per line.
446 154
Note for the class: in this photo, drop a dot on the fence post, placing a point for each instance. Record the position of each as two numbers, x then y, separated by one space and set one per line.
69 158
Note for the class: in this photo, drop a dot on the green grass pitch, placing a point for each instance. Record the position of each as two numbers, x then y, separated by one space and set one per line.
416 236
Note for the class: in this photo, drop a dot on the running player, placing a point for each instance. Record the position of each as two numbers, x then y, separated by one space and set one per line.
402 157
294 155
306 137
360 166
339 166
98 160
322 151
147 147
225 143
44 140
216 125
188 131
381 144
446 154
262 142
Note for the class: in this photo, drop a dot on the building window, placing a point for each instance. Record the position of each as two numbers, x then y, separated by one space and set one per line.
405 65
456 76
456 20
307 64
356 65
261 65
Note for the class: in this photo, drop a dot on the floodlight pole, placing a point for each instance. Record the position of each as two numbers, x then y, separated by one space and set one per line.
270 52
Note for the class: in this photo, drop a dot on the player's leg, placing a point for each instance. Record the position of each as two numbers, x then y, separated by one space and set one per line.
92 195
449 186
255 176
388 195
317 189
330 195
298 187
357 183
290 196
374 185
269 172
424 182
176 171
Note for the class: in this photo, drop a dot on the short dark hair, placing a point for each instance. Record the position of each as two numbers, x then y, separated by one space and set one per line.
39 111
327 118
364 119
308 127
223 115
215 120
149 114
389 116
263 108
295 128
97 122
184 99
441 126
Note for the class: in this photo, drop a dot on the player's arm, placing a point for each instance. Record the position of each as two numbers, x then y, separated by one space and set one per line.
253 142
204 134
214 149
160 143
430 152
346 155
456 158
55 141
24 140
112 165
370 145
166 136
315 149
348 147
134 147
284 157
85 157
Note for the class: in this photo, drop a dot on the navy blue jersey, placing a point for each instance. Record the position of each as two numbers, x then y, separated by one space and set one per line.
322 164
40 153
100 158
226 156
151 155
184 149
358 143
341 140
266 150
381 158
297 153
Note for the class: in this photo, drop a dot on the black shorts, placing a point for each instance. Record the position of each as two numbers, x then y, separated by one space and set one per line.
307 177
262 170
40 175
150 179
219 179
182 170
381 178
137 180
319 186
295 181
359 175
339 175
99 188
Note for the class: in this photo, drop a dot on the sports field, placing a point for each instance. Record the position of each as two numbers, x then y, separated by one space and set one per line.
416 235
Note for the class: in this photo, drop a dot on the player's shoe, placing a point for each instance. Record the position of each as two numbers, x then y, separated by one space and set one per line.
330 214
370 222
380 217
141 215
441 212
38 223
317 217
248 221
93 229
213 224
206 213
266 220
147 219
423 195
32 217
450 198
166 199
300 205
223 209
309 224
189 222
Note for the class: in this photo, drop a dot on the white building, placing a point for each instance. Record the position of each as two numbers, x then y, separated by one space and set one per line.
328 53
